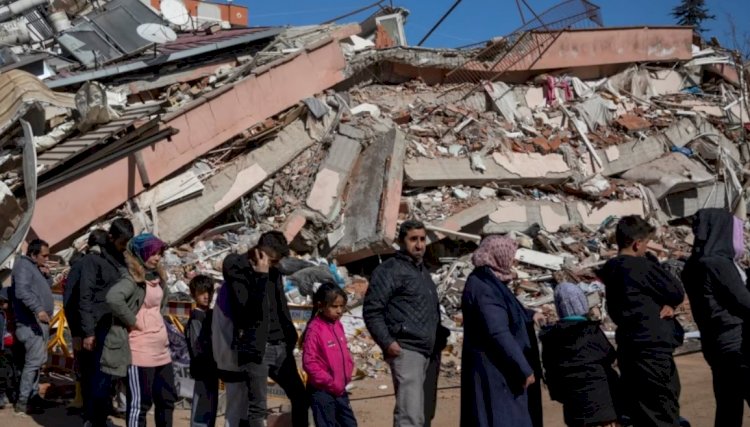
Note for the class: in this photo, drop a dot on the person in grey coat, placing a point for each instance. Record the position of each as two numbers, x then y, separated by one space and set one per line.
33 307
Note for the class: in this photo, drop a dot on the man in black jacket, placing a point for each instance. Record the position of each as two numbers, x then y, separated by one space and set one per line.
264 335
402 313
98 272
720 301
641 298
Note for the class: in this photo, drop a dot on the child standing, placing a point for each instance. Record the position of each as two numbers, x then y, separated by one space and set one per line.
578 360
6 357
202 364
327 360
641 298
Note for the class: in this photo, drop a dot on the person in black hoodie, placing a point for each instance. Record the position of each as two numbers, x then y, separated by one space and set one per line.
720 302
99 272
578 359
641 298
264 336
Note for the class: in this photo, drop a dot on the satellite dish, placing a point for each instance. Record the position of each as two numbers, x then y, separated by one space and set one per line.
175 12
156 33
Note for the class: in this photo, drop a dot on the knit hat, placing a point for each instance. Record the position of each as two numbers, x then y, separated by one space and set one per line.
570 301
145 245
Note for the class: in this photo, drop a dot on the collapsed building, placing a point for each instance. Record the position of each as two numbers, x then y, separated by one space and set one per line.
208 132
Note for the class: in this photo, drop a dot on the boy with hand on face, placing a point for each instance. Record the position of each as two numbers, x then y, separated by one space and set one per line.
641 298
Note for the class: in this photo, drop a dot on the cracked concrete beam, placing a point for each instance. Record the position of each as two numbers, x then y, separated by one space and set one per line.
504 168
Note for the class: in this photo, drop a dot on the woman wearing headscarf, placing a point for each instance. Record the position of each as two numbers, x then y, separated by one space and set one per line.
498 365
720 302
137 345
578 359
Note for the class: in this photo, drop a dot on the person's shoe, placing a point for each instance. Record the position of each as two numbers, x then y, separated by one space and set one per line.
21 410
41 403
3 401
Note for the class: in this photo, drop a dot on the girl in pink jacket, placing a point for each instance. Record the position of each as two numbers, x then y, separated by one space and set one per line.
327 360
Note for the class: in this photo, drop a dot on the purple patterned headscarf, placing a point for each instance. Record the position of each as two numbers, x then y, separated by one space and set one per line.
146 245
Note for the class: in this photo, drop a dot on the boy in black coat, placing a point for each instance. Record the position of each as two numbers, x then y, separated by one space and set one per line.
641 298
577 359
202 364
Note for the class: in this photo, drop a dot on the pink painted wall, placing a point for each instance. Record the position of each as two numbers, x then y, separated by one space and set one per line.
211 121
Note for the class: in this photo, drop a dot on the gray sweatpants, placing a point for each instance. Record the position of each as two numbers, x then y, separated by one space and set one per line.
409 371
34 341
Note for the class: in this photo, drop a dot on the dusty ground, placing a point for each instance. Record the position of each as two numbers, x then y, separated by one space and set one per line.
373 406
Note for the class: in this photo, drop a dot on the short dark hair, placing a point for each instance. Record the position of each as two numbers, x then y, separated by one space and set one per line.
97 237
35 247
76 257
275 241
631 228
407 226
200 284
121 228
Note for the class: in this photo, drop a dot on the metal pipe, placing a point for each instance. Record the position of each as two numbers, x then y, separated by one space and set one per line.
18 7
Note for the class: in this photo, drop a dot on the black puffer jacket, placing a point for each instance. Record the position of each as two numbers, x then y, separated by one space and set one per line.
578 361
402 305
718 297
99 272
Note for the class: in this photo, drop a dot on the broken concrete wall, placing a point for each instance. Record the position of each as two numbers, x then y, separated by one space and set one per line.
203 125
331 180
669 174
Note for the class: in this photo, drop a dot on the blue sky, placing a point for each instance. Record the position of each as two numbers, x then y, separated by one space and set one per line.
478 20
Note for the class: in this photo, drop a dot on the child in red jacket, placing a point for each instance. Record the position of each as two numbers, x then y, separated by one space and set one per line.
327 360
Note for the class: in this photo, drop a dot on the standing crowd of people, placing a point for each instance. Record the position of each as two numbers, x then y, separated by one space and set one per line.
115 297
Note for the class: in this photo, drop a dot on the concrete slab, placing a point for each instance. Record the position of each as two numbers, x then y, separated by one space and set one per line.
333 176
234 180
511 168
669 174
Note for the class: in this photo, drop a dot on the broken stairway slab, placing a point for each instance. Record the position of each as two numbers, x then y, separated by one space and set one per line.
504 168
234 180
331 180
373 201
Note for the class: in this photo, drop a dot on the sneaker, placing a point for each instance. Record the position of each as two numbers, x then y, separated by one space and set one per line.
41 403
21 410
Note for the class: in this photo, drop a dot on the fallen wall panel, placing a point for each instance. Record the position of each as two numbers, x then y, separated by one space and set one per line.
203 125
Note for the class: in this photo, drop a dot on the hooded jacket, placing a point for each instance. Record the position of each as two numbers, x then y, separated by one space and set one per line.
98 273
719 299
326 357
125 299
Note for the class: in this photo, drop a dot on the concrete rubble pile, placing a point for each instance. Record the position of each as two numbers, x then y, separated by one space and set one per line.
336 133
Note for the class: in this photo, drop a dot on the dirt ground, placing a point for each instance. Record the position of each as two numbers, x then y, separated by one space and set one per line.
373 406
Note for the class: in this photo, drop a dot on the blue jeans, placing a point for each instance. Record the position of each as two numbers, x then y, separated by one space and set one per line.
34 340
331 411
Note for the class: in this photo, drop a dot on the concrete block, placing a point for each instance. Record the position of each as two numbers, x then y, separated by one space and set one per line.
333 176
671 173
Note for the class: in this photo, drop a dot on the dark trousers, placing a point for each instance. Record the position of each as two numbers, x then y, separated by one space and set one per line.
150 386
331 411
430 389
96 386
651 386
731 388
280 366
205 402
